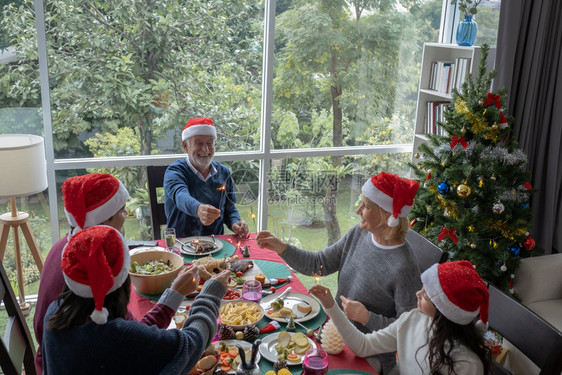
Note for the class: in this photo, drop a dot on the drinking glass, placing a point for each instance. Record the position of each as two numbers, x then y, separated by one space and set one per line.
170 237
251 290
315 362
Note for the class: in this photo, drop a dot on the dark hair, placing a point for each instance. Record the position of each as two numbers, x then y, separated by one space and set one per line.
74 310
447 334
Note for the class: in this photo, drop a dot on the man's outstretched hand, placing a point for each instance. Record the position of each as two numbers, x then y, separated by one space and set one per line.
208 214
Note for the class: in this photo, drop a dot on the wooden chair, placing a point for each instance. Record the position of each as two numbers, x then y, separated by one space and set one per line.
16 348
155 176
528 332
425 251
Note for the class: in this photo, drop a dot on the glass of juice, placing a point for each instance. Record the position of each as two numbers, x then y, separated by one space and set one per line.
315 362
251 291
170 237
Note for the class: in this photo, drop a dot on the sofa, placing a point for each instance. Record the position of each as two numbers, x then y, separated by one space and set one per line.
538 283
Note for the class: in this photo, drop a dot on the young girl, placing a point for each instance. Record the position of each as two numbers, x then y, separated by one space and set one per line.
85 328
439 337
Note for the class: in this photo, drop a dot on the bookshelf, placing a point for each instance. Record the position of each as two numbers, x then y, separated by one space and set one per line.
443 67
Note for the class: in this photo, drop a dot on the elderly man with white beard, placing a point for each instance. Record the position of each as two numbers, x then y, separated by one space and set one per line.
199 192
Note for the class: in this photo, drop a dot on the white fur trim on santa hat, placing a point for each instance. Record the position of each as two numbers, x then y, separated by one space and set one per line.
84 290
103 212
203 129
99 317
383 200
433 289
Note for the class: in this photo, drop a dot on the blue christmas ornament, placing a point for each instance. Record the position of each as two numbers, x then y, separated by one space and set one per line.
525 205
443 188
514 249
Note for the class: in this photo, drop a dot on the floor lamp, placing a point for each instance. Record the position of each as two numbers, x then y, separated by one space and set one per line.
22 173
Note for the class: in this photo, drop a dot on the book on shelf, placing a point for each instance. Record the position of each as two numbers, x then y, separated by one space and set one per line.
434 115
446 75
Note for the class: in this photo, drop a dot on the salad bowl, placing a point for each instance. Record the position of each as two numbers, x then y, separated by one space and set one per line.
153 271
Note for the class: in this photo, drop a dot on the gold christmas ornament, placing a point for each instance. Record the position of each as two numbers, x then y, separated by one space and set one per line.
481 182
463 130
481 102
473 245
331 339
495 126
443 164
471 228
420 166
417 155
464 190
493 177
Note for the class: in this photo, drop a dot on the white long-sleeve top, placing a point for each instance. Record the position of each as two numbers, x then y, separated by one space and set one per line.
405 336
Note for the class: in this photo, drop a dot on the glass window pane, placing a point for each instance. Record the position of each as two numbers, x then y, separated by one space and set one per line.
312 204
348 76
488 19
126 76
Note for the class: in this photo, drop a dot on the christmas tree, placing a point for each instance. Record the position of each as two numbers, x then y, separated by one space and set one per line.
473 200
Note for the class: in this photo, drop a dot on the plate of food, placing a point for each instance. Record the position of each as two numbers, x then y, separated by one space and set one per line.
229 356
200 245
239 314
298 305
285 345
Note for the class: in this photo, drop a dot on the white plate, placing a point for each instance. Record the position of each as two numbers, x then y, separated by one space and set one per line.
242 343
268 351
141 249
291 300
189 251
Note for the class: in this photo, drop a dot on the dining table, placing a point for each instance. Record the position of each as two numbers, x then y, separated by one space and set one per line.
271 264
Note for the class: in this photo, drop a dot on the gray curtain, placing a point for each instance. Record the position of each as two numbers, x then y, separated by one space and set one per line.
529 65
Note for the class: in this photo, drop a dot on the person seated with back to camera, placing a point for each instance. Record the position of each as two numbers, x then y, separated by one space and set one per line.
90 200
85 328
440 336
199 192
378 274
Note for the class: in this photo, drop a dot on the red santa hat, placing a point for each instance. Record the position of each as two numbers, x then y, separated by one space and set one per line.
93 198
457 291
392 193
95 262
199 126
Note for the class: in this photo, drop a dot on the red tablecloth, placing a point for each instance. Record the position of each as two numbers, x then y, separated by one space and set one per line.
139 305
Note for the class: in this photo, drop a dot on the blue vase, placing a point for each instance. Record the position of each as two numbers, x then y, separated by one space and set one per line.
466 31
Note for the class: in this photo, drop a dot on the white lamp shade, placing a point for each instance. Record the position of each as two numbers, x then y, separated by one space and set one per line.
22 165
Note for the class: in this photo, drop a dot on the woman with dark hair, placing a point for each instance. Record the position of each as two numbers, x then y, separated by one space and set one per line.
440 336
86 330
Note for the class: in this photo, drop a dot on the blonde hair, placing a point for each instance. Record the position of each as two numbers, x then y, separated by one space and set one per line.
390 233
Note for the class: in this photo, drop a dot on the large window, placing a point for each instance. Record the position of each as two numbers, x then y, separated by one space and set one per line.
299 92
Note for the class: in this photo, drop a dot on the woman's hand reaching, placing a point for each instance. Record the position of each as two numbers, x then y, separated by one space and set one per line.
323 294
187 281
269 241
355 310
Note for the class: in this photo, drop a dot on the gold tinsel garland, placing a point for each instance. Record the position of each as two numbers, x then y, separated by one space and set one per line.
444 204
479 125
506 230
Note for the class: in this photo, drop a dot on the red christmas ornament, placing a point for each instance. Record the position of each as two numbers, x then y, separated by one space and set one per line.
527 185
529 243
428 175
413 222
270 327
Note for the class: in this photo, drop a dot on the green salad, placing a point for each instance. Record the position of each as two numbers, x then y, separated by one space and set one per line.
153 267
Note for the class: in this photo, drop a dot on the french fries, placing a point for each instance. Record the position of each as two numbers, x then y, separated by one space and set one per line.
239 313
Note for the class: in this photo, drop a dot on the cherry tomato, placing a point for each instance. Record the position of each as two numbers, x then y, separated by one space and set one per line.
272 289
239 274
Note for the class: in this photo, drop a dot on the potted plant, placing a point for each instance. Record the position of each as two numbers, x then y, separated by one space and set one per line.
466 30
